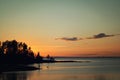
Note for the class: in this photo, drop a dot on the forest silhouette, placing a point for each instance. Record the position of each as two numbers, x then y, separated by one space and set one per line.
16 56
13 52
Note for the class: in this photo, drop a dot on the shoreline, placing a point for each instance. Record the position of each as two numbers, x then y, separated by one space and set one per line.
10 67
71 61
26 67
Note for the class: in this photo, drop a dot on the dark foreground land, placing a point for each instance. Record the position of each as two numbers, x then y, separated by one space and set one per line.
15 56
8 68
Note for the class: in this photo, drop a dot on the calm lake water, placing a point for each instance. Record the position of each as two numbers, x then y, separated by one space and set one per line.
96 69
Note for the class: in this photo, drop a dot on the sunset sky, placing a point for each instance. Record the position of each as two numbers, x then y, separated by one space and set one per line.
63 27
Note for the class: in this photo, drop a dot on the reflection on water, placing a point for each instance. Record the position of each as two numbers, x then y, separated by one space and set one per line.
98 69
39 76
13 76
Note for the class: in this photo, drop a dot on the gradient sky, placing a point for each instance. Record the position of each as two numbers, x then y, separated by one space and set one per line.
55 26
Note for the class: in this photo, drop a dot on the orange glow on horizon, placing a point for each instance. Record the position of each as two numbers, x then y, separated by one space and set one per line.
88 52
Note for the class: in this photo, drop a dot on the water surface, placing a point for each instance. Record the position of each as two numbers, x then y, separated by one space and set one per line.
96 69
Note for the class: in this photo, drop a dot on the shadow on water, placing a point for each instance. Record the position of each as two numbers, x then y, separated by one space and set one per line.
13 76
18 74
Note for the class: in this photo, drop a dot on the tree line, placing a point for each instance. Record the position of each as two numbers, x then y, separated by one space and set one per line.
13 52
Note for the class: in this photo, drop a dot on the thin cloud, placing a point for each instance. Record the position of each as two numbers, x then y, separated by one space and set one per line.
69 39
101 35
97 36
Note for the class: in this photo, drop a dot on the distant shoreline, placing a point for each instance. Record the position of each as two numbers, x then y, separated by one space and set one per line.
84 57
71 61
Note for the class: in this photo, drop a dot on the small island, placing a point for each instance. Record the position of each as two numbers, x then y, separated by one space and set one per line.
15 56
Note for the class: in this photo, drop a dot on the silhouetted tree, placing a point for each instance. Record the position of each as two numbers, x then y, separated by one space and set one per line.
50 59
39 58
14 52
0 44
24 46
1 50
48 56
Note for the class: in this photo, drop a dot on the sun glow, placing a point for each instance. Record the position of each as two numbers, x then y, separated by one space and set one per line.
73 29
